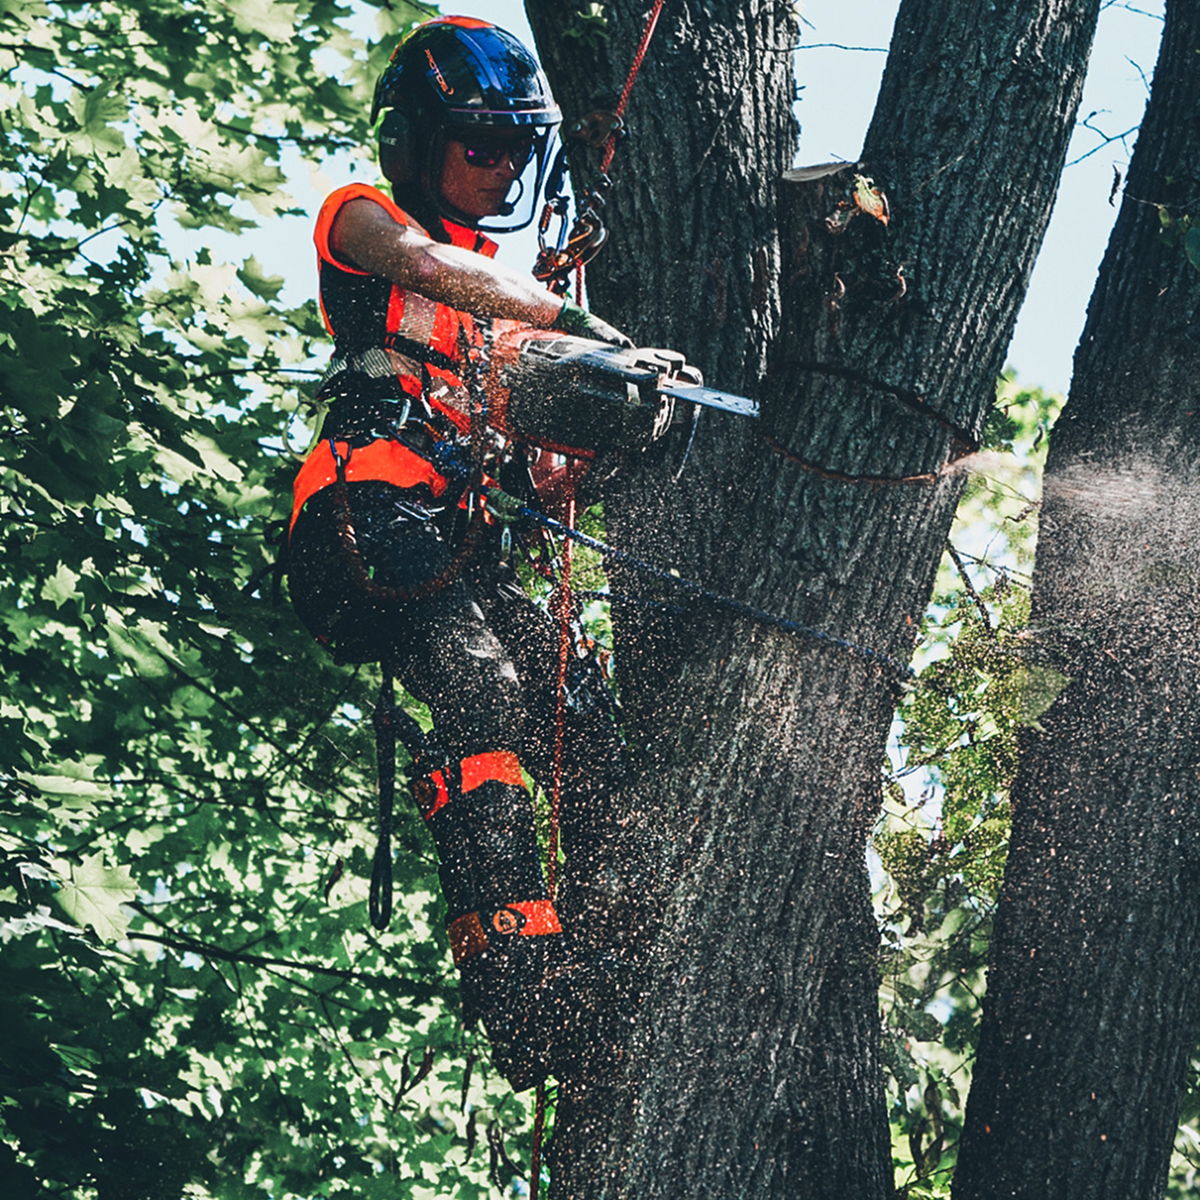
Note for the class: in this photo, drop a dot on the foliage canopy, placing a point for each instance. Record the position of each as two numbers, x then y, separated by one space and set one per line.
191 993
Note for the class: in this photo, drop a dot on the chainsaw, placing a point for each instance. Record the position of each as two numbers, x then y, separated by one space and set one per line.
584 398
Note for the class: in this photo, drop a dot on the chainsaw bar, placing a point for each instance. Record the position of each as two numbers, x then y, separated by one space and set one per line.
710 398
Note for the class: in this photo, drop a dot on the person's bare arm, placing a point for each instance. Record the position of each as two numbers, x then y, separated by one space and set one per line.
366 236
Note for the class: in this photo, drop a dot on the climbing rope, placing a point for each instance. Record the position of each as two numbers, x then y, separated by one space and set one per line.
963 442
619 112
562 605
588 233
564 611
564 589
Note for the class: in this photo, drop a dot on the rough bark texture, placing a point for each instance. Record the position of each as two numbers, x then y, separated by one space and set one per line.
753 1070
1093 985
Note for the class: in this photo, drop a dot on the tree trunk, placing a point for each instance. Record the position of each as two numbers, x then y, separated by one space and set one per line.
1093 984
753 1070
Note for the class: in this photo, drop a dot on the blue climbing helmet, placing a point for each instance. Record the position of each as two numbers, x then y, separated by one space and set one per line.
461 75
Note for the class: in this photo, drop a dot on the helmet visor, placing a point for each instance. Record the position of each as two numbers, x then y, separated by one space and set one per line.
524 151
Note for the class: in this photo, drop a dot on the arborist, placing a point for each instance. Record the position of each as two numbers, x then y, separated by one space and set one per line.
386 561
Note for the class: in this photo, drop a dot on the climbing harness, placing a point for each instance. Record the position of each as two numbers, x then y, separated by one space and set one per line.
348 541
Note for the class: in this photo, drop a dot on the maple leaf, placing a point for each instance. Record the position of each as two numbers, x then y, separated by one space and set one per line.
93 895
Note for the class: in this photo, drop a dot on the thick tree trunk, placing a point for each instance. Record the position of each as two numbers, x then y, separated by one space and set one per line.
753 1070
1093 986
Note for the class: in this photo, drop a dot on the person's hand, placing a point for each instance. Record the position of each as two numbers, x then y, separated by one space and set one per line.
505 507
580 323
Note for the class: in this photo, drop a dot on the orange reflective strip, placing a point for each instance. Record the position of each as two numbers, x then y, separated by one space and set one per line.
333 205
499 765
432 793
470 239
395 310
521 918
539 915
382 459
444 335
462 22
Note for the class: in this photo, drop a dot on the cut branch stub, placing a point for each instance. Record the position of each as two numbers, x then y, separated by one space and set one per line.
840 276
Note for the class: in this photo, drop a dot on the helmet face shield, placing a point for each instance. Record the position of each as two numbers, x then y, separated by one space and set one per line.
461 79
523 151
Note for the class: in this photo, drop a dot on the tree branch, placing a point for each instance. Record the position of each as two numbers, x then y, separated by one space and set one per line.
970 587
221 954
284 139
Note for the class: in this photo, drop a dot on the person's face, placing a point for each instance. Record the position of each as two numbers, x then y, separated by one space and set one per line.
479 168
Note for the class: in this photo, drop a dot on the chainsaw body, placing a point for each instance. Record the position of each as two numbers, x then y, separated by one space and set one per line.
581 397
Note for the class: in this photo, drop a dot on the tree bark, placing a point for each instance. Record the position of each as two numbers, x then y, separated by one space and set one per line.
753 1070
1093 985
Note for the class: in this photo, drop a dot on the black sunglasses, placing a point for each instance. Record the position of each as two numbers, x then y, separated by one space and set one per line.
490 152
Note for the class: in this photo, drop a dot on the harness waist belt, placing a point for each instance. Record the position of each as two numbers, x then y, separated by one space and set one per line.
384 460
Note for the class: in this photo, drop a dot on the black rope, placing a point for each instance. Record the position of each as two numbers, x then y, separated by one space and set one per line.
392 725
380 900
729 603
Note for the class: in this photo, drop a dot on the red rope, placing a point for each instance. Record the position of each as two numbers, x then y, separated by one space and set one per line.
564 587
560 703
539 1132
638 56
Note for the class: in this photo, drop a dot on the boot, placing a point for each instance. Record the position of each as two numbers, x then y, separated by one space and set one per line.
525 990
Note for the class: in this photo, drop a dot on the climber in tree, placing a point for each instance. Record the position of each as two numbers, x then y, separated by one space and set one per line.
384 563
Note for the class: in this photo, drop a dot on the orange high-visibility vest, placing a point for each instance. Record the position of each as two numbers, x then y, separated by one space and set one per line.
383 332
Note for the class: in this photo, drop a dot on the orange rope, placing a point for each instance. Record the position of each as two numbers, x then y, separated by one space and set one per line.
560 702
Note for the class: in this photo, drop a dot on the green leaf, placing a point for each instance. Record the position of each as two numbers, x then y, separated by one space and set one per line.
70 791
61 586
1191 246
93 895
